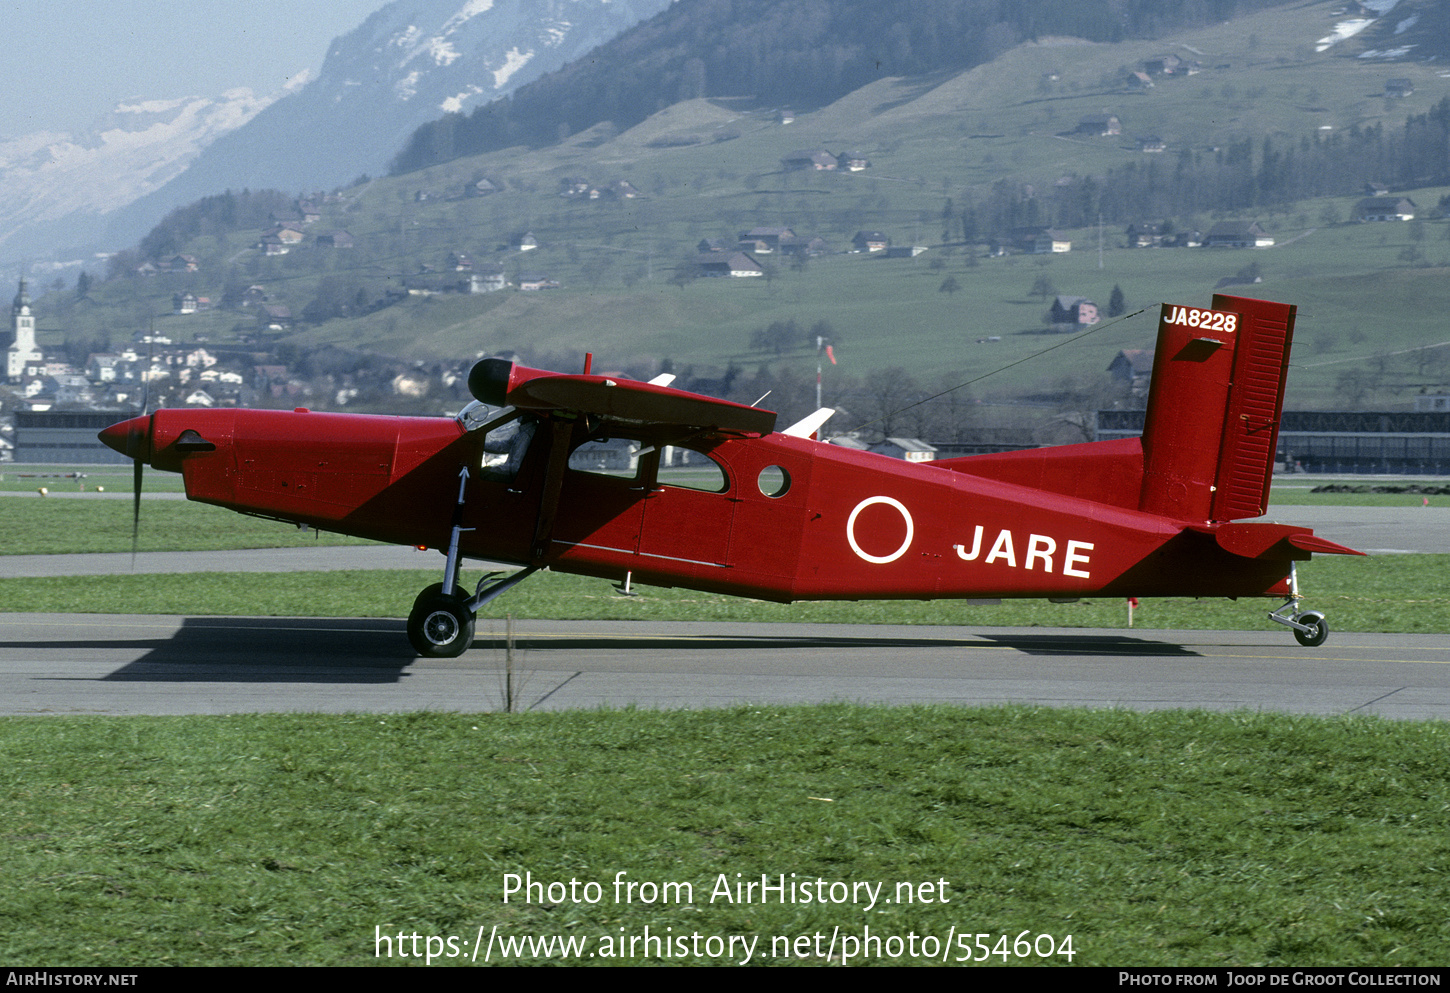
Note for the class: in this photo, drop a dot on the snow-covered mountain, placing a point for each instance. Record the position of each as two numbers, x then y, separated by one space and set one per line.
55 187
409 63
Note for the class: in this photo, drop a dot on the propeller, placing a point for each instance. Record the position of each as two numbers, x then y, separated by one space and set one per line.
132 439
136 471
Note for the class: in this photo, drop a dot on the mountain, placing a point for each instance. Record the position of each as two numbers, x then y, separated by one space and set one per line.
405 65
55 187
802 54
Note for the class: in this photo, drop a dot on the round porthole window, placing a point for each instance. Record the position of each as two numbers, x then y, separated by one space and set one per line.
774 481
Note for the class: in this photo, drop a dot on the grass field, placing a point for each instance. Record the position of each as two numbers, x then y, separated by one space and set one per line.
60 526
1392 593
1165 838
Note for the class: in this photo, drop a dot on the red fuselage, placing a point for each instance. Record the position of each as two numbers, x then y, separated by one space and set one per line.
842 524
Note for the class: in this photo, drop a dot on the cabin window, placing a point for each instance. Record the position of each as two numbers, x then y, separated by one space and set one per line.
774 481
618 457
691 470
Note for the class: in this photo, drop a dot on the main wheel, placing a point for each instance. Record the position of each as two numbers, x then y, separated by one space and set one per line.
1318 629
441 625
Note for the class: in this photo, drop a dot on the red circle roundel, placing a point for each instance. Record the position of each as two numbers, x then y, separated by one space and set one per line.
878 525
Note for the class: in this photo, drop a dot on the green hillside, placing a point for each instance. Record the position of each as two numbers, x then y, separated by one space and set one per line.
1371 296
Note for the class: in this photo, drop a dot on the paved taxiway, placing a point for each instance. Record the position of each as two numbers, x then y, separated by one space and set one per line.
134 664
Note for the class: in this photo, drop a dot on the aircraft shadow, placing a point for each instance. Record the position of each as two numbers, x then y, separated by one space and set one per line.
265 650
1097 644
362 651
1027 644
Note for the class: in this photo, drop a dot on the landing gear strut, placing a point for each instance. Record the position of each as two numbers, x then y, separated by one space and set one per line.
1310 628
440 626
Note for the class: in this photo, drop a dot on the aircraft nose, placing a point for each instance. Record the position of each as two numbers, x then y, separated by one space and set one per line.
131 438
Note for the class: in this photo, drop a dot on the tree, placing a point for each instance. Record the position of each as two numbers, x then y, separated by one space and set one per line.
685 273
1117 303
1353 386
777 337
1042 288
889 390
949 285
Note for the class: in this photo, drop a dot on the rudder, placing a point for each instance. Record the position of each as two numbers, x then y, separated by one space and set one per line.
1212 423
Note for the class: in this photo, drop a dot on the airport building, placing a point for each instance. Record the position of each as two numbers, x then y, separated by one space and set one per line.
66 437
1409 443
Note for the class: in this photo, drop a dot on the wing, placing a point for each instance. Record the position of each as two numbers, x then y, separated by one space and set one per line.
499 382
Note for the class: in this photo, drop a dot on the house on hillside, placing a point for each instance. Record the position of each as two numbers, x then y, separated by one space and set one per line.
802 246
906 449
287 234
189 303
1238 234
1145 235
274 317
1040 241
1151 144
1399 87
763 239
1133 368
336 239
1385 209
533 282
485 279
870 241
1099 124
1073 310
817 159
733 264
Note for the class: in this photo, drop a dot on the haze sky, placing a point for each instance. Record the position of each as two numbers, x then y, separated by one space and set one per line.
67 62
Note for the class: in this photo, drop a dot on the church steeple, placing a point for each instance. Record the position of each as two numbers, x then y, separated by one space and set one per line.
19 339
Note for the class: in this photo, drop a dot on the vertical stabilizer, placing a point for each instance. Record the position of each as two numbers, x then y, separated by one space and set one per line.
1212 424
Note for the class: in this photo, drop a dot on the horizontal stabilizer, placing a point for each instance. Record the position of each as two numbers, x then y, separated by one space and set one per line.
1314 543
1263 540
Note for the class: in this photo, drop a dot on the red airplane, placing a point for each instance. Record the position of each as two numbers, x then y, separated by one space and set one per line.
638 482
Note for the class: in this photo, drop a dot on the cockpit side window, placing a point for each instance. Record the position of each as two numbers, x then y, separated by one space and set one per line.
505 446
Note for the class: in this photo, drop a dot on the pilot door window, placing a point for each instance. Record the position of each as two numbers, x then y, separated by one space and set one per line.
504 448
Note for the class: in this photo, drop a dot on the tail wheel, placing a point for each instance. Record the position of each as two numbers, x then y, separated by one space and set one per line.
1318 629
440 625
